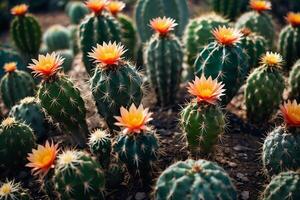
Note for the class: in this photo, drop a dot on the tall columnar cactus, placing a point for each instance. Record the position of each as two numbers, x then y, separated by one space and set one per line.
294 82
137 145
16 140
283 186
60 98
149 9
78 176
264 89
15 85
76 11
224 59
10 190
57 37
230 9
163 57
98 27
202 120
25 31
115 82
100 146
281 147
259 21
192 179
289 40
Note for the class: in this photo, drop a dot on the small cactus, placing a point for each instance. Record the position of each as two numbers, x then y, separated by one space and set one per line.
294 82
76 11
230 9
115 175
11 190
194 180
57 37
68 57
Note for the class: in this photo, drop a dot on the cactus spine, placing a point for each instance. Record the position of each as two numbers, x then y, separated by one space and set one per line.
196 180
294 82
230 9
10 190
76 11
57 37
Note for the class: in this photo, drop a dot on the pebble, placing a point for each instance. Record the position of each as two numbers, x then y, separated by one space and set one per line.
242 177
245 195
232 164
140 196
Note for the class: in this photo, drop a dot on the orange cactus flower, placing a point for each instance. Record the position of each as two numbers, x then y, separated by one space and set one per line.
46 66
260 5
96 6
114 7
272 59
10 67
206 90
227 36
293 19
134 120
163 25
19 10
107 54
291 113
41 160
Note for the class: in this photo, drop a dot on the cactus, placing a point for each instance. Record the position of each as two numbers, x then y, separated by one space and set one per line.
137 145
114 176
294 82
74 33
68 57
57 37
76 11
16 140
25 32
60 98
281 147
289 40
192 179
264 89
96 28
283 186
78 176
115 83
149 9
15 85
230 9
10 190
258 21
224 59
163 58
100 146
203 122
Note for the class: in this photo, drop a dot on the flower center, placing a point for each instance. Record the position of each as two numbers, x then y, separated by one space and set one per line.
6 189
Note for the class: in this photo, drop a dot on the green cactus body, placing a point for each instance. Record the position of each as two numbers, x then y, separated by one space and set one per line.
27 35
283 186
115 175
198 34
97 29
78 176
203 126
149 9
194 180
288 45
138 152
116 87
31 113
76 11
164 59
227 63
62 101
8 55
260 23
15 86
16 141
57 37
68 59
128 35
294 82
11 190
281 151
263 93
230 9
100 146
74 33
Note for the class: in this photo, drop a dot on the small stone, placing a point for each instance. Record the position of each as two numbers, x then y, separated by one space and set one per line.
245 195
227 150
140 196
238 148
232 164
242 177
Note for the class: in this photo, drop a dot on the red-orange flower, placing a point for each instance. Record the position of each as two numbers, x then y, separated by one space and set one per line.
206 90
41 160
293 19
260 5
19 10
163 25
96 6
227 36
134 120
10 67
291 113
114 7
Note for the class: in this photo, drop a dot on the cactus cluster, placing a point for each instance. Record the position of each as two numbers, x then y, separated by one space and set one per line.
57 37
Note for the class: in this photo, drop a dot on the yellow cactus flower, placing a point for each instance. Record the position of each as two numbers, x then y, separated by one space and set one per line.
227 36
163 25
10 67
260 5
114 7
272 59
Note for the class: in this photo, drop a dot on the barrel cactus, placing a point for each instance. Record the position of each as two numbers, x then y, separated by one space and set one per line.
60 98
76 11
57 37
294 82
15 85
264 89
289 40
224 59
10 190
68 57
230 9
163 58
202 120
115 82
192 179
